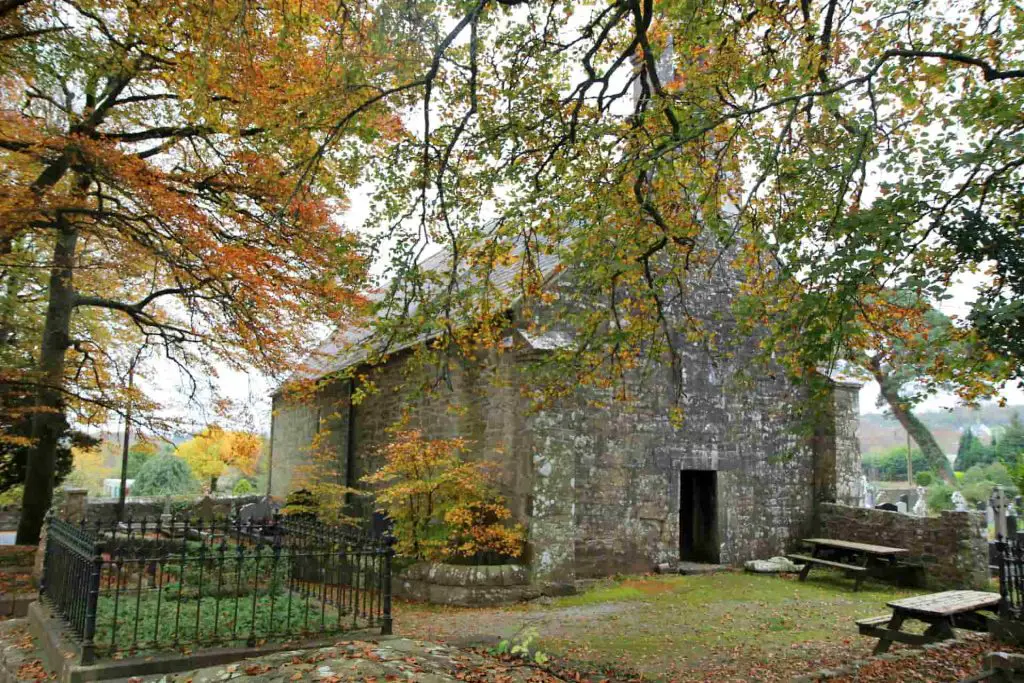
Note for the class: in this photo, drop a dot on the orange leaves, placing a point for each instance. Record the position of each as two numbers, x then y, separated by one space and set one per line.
441 506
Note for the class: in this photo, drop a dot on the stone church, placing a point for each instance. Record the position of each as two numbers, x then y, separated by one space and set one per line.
617 488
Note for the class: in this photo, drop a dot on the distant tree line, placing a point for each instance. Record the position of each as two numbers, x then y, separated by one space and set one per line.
1006 447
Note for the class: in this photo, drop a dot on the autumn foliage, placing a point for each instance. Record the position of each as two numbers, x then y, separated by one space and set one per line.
213 451
161 187
442 506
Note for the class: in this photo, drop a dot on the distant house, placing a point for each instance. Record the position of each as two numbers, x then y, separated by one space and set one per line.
616 488
112 487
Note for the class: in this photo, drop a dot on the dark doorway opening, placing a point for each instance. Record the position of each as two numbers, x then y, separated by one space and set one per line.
698 528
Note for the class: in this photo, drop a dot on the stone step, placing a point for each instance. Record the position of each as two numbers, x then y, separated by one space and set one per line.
689 568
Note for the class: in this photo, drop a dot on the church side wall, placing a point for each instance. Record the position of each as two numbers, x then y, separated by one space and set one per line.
296 422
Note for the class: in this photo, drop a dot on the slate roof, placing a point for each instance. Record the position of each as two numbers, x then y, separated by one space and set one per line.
351 345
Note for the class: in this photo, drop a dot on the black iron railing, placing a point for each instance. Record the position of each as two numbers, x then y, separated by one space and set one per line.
176 584
1010 559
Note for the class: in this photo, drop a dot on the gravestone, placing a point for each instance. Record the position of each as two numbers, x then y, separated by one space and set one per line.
256 512
901 506
959 502
998 503
166 516
206 510
921 505
867 492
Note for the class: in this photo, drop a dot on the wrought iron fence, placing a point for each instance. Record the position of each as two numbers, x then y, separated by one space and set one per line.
1010 559
175 584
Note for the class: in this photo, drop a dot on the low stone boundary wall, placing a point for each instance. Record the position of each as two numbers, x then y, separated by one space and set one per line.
466 586
105 509
952 548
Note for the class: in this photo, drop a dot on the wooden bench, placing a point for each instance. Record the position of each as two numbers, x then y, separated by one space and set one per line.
871 559
878 627
941 611
807 559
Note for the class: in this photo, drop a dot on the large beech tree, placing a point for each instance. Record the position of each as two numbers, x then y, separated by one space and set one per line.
827 150
151 153
913 351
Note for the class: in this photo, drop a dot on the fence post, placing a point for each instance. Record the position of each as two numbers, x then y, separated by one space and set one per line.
46 551
88 647
1001 556
389 553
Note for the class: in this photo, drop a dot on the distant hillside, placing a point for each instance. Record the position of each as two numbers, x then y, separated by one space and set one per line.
879 432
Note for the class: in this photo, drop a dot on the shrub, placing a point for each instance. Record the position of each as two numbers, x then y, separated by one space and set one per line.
924 478
242 487
165 475
979 481
940 497
12 496
300 504
891 465
441 506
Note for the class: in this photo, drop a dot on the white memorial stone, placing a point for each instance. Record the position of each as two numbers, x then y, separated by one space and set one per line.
998 502
921 506
959 502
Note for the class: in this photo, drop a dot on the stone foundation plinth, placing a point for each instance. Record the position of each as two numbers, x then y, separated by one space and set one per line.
466 586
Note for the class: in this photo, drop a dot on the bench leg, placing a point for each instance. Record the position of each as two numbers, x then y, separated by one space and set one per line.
940 630
883 643
805 571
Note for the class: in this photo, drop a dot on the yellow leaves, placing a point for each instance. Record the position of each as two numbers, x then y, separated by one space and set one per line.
210 453
440 504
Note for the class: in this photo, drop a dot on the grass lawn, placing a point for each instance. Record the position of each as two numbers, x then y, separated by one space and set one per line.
726 626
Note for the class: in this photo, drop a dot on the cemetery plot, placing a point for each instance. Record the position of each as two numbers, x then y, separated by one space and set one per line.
139 587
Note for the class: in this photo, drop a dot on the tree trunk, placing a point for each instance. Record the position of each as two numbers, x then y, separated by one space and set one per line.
213 484
48 419
917 430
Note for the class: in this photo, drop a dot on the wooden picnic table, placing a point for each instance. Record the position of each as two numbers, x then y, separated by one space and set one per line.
860 559
941 611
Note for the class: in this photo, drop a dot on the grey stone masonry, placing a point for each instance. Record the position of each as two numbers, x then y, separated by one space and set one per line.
450 584
598 480
952 548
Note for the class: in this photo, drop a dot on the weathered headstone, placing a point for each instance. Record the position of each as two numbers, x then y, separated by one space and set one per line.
206 510
921 505
901 506
867 492
258 511
165 515
998 503
959 502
